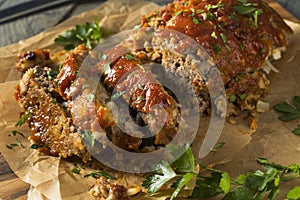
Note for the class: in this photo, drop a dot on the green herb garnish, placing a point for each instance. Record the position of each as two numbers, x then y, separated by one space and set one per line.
223 37
214 35
23 118
178 12
141 67
232 98
296 131
217 48
99 174
53 101
34 146
76 170
11 146
141 98
20 143
217 146
250 9
88 137
227 47
184 173
260 184
52 74
89 34
141 87
195 20
199 11
289 111
107 68
128 56
116 95
243 96
90 97
14 132
294 193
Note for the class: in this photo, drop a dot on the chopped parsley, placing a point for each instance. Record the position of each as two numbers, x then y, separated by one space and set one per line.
34 146
250 9
227 47
53 101
76 170
217 48
223 37
195 20
14 132
141 66
128 56
232 98
214 35
99 174
140 87
107 68
91 97
11 146
52 74
23 118
19 143
199 11
60 67
141 98
88 137
217 146
116 95
243 96
179 12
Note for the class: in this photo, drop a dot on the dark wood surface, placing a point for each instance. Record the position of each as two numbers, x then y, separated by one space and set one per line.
11 187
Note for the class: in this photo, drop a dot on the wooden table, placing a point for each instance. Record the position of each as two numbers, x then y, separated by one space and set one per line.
11 187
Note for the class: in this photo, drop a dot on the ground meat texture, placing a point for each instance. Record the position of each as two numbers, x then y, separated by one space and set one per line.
238 43
30 59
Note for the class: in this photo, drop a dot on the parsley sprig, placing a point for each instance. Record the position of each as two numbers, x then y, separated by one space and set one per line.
89 34
261 184
23 119
182 171
289 112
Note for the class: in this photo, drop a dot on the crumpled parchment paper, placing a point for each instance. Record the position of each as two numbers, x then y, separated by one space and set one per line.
51 177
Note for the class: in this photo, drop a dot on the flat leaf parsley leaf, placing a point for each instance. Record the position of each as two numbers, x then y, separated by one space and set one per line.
164 173
23 119
289 111
89 34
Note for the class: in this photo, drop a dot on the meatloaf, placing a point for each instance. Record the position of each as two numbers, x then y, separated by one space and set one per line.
66 114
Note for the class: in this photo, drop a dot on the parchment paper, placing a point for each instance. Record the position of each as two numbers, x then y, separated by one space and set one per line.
51 177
